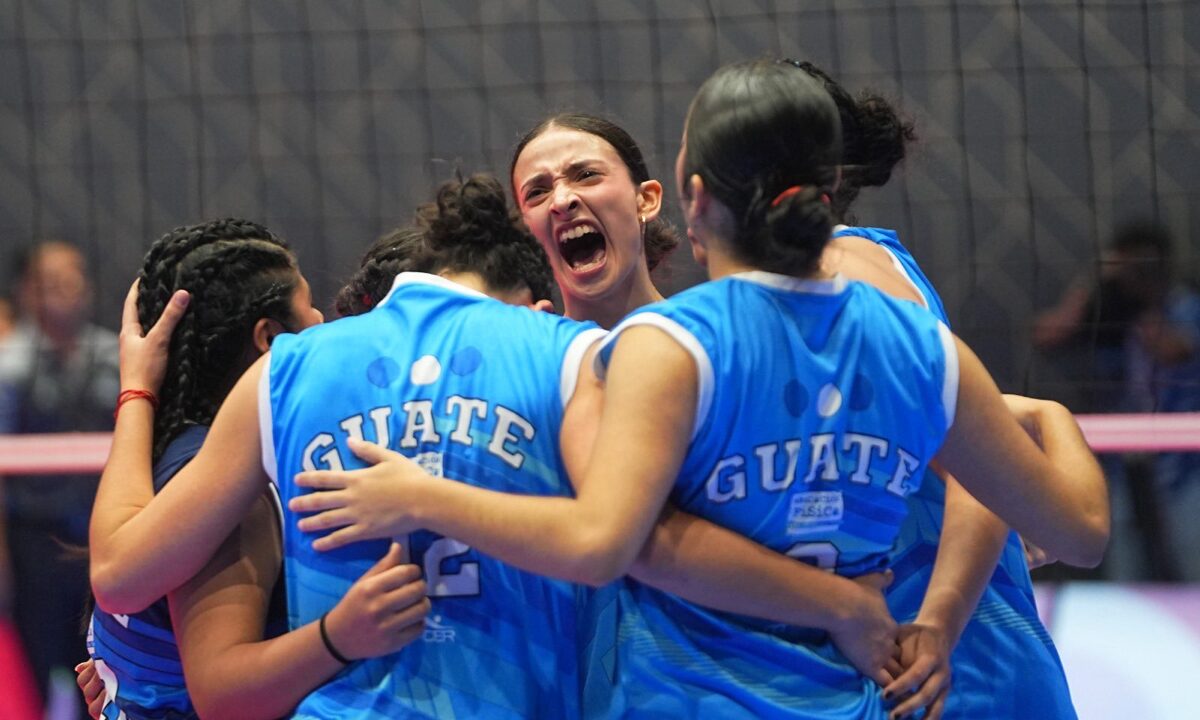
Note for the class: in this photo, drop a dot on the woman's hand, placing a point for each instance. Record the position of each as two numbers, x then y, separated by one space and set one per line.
92 686
144 357
867 634
374 502
383 610
925 682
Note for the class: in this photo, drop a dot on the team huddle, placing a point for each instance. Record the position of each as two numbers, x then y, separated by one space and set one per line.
785 492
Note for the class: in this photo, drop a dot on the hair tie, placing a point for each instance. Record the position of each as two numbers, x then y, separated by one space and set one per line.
367 301
794 190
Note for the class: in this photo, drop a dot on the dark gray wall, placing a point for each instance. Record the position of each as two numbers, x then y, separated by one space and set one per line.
1043 122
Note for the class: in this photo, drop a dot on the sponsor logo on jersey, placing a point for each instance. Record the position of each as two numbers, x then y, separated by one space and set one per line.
436 631
811 512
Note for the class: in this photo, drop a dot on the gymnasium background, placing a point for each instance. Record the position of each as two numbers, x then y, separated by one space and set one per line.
1043 124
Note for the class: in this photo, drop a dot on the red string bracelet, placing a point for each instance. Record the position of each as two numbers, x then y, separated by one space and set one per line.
127 395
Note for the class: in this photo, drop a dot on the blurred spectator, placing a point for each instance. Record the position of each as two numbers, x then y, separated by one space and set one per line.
58 373
1143 326
8 317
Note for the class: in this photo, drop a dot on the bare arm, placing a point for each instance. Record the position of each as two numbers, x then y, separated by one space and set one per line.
219 617
712 566
972 540
644 431
1055 495
141 550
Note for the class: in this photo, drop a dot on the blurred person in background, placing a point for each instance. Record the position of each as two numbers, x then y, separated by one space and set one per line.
8 317
1142 322
58 373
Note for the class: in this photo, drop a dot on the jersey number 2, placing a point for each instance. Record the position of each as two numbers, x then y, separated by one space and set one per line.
464 581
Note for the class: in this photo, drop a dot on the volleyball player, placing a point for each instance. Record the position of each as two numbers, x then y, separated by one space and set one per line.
985 610
245 289
760 213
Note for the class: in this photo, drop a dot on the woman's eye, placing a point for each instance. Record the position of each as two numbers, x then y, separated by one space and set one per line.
533 193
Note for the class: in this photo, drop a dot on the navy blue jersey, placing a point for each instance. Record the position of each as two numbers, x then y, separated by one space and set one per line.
136 655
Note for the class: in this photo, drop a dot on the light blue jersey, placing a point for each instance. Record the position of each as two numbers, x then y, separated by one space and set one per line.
1005 665
472 389
819 405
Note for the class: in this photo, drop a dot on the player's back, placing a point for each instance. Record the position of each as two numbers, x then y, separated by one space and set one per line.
819 404
1005 623
472 389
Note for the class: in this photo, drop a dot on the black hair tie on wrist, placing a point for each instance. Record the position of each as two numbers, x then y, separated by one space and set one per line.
329 644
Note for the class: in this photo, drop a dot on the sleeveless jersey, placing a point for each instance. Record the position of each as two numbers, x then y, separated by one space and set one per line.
473 389
136 655
819 404
1005 665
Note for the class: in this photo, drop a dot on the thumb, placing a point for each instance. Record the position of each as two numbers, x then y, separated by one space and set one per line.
368 451
392 558
171 314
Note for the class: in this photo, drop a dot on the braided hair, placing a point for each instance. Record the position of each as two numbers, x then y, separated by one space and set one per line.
237 272
468 228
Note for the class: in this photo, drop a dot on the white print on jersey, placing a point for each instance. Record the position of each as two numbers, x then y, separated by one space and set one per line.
508 430
436 632
860 454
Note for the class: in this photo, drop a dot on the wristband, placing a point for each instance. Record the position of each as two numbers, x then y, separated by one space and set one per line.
329 644
127 395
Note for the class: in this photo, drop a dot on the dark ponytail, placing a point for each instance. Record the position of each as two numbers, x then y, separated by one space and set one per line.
237 272
765 140
875 139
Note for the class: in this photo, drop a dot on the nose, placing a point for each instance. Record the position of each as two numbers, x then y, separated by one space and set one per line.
564 200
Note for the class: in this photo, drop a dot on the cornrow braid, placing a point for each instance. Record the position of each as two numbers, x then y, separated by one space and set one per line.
398 251
237 272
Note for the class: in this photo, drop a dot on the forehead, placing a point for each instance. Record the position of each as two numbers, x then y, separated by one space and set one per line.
559 147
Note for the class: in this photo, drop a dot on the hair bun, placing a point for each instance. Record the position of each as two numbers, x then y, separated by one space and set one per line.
881 140
472 212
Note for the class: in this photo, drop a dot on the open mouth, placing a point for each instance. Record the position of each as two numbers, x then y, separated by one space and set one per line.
582 247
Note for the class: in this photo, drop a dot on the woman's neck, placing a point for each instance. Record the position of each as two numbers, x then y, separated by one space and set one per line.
721 264
607 311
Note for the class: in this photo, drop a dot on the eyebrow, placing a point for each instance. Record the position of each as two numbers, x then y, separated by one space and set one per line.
573 167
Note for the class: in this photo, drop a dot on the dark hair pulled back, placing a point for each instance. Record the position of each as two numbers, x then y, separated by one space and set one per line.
875 139
756 130
469 227
237 272
659 237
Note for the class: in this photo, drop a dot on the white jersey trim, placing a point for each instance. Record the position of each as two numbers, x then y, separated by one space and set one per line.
950 382
831 286
895 261
420 278
704 371
904 272
266 431
573 360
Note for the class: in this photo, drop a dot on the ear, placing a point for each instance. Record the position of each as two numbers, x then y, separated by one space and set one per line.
649 199
543 306
697 202
265 330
